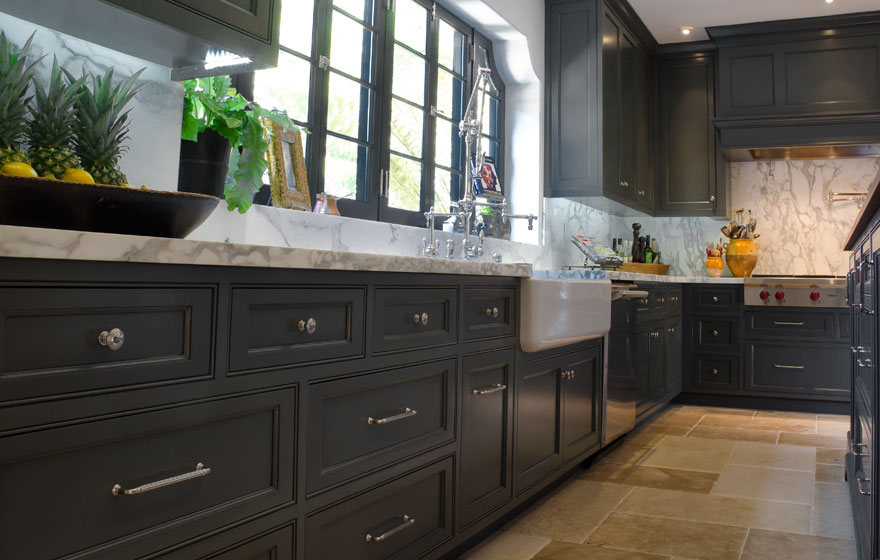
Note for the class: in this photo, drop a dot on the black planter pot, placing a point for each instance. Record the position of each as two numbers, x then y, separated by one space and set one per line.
204 164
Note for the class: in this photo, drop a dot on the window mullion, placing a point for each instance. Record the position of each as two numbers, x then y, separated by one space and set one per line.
430 134
320 101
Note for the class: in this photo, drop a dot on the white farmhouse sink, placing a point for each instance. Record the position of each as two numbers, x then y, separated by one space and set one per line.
557 312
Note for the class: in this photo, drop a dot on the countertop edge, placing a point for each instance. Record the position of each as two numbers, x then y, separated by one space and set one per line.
865 216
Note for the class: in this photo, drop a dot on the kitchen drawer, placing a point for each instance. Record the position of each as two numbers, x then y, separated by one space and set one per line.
716 374
782 367
407 318
277 545
800 324
717 299
844 325
716 333
295 326
402 519
673 302
370 421
50 338
70 482
644 306
489 312
659 300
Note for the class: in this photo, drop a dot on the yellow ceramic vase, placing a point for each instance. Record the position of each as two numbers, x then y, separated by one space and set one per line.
741 256
714 266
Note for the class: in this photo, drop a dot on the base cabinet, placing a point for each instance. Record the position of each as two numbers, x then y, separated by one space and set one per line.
276 545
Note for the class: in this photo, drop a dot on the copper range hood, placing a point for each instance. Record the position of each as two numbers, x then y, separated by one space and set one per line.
806 152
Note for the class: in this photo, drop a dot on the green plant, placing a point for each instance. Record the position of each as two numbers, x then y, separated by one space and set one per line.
213 104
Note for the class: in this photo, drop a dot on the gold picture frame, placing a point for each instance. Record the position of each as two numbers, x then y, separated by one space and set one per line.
287 169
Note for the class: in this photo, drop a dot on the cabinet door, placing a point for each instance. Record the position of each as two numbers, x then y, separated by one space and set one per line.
643 365
254 18
580 425
673 357
628 115
538 432
657 368
486 438
688 181
611 106
644 180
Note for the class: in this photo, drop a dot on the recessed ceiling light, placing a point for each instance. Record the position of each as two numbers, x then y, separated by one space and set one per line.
687 30
829 1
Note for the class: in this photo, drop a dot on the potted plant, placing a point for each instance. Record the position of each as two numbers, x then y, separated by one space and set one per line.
216 118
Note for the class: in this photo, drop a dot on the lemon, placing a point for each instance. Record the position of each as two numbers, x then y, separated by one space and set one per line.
77 176
18 169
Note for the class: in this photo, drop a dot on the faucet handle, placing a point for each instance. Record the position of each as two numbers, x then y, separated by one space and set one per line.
450 248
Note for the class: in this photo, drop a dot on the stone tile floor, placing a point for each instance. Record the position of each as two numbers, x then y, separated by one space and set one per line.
698 483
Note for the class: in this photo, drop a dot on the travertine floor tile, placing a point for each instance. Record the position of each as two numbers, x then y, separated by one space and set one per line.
626 453
794 457
760 423
832 516
734 434
765 484
814 440
829 473
743 512
666 430
572 512
651 477
830 456
657 535
785 414
695 454
767 545
570 551
504 545
833 418
833 427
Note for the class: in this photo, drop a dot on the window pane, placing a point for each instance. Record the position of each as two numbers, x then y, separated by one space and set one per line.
450 95
406 184
351 47
408 80
411 24
285 87
491 118
453 46
345 168
445 184
361 9
448 145
407 128
348 112
492 149
483 62
296 25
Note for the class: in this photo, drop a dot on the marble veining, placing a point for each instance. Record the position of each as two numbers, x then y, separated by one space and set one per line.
37 243
639 277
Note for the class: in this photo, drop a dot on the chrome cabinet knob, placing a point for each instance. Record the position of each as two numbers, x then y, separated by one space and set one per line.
714 333
641 192
310 326
714 299
423 319
714 372
492 312
113 339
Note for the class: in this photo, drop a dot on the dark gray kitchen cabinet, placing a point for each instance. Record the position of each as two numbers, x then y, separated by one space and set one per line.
693 172
644 186
657 364
580 416
673 352
642 344
276 545
487 434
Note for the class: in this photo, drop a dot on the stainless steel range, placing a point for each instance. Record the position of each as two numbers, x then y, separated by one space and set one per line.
796 291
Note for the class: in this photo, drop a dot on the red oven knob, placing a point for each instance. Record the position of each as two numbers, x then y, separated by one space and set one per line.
765 295
814 295
780 295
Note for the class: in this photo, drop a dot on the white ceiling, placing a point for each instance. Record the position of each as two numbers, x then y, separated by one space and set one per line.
665 17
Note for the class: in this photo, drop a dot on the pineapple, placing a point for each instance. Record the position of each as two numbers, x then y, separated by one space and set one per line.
15 76
51 131
101 126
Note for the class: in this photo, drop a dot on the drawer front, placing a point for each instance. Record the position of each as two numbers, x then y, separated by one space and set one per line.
370 421
715 373
713 333
414 318
779 367
717 299
673 301
659 300
51 343
84 472
401 519
293 326
277 545
802 324
844 325
644 305
489 312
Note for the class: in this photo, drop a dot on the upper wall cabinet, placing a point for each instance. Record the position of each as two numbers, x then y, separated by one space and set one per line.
599 95
229 35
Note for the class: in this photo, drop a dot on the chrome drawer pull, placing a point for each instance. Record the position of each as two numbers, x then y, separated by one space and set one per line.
714 371
489 390
787 324
407 412
407 523
309 326
859 482
858 349
714 299
423 318
714 333
114 339
780 366
201 470
866 363
492 312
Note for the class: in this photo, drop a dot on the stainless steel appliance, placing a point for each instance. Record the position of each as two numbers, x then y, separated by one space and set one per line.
619 395
796 291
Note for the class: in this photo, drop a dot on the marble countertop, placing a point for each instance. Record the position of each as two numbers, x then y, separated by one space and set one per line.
38 243
637 277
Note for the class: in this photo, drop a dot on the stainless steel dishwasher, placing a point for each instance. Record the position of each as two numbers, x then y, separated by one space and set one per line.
619 402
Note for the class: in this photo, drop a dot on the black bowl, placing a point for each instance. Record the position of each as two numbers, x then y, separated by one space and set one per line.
48 203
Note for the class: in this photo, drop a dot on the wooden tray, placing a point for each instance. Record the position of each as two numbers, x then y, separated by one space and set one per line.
642 268
48 203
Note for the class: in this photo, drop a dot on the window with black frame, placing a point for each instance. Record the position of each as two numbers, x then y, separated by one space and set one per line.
381 85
